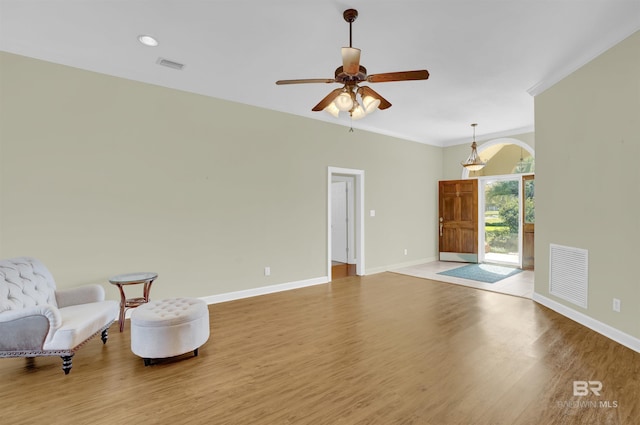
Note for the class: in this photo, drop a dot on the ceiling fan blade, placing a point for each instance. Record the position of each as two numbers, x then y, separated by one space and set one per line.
350 60
327 100
398 76
307 80
368 91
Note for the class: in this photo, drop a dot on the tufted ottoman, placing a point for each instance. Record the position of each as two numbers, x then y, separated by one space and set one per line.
167 328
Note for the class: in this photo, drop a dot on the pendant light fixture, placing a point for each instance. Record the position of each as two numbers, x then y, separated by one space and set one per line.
473 163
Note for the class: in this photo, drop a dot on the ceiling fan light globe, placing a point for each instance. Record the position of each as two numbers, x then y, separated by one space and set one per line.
358 112
332 109
344 102
370 104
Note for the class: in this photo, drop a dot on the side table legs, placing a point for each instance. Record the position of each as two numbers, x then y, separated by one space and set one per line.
123 304
120 281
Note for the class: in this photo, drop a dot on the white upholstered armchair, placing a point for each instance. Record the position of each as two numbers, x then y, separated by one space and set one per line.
38 320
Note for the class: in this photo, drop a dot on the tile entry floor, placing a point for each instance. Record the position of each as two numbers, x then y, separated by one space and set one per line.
520 285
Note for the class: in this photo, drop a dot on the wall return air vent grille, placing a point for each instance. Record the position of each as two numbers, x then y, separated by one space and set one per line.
569 274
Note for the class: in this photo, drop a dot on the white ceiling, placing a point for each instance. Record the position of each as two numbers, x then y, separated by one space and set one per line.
485 57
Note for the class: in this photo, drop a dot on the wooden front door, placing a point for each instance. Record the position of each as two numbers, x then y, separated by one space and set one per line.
528 221
458 221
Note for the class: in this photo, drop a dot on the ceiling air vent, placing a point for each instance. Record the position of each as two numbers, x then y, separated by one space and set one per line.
170 64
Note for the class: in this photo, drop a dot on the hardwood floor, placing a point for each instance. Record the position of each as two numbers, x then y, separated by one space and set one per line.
382 349
340 270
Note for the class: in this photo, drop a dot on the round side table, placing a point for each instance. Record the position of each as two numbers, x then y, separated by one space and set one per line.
122 280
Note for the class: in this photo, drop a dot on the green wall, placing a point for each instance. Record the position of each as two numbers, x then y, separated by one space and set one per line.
101 175
588 180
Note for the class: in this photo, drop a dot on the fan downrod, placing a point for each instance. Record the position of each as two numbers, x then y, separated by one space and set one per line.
350 15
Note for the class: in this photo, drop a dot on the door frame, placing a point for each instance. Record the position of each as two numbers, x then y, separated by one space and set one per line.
358 176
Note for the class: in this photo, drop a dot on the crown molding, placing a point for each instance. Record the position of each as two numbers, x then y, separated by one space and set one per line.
490 136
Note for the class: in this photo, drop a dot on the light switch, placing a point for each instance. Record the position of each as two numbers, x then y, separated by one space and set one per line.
372 213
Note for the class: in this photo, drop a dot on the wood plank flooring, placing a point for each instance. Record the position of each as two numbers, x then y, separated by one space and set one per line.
340 270
382 349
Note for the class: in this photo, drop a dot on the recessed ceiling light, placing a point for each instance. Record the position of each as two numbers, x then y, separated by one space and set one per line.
147 40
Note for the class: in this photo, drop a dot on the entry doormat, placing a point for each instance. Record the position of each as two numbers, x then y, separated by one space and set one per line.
487 273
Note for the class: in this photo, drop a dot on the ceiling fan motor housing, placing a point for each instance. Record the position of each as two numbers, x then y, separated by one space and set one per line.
343 77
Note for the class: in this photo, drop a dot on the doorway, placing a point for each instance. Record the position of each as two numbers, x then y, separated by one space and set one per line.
499 215
506 202
342 232
345 222
488 220
507 217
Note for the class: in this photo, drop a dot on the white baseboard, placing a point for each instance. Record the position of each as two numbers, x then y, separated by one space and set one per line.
392 267
263 290
602 328
254 292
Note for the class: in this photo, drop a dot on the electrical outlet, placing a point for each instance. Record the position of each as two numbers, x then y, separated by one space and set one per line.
406 251
267 271
616 305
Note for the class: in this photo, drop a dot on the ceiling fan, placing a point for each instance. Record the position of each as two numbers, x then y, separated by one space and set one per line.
350 75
